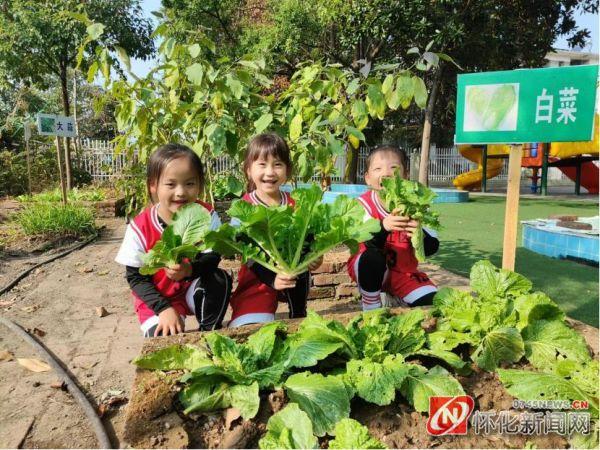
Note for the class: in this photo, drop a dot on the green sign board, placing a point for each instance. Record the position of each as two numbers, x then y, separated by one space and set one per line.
526 105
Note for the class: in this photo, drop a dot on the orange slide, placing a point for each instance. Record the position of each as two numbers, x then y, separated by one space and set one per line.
472 179
558 150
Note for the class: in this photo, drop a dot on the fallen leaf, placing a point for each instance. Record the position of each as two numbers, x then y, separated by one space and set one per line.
38 332
59 384
101 311
5 355
35 365
8 303
103 272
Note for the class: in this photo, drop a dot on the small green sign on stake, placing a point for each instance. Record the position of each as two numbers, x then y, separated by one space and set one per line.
526 105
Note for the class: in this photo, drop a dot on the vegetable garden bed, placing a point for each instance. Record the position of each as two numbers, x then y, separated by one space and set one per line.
155 418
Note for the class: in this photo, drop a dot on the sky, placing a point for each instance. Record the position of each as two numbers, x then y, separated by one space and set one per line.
589 21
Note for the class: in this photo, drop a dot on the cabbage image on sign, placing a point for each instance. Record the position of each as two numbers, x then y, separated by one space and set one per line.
491 107
449 415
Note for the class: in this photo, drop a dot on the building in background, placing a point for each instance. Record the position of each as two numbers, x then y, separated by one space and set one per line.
561 58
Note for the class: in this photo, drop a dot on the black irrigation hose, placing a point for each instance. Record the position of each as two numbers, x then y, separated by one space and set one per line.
89 410
16 281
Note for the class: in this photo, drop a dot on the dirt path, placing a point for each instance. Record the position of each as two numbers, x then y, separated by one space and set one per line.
61 300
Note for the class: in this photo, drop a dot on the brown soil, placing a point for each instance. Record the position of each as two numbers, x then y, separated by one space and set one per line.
398 426
60 299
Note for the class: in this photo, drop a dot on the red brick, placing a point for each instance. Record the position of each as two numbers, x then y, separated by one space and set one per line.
346 290
338 256
322 292
330 279
330 267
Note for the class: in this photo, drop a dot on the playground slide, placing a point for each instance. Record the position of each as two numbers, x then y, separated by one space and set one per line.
589 175
589 170
472 180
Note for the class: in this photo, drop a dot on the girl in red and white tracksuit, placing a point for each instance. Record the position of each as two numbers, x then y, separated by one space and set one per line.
267 166
387 263
198 287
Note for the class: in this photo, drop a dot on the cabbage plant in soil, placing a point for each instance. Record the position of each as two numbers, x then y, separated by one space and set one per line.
378 358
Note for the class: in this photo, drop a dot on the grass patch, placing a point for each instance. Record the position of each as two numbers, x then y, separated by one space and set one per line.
74 195
474 230
56 220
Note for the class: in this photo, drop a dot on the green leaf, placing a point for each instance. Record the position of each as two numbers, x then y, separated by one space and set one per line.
263 123
406 331
536 306
123 56
178 240
548 342
375 101
245 399
490 281
195 73
95 30
262 342
377 382
529 385
296 127
350 434
174 357
289 428
499 345
404 92
421 384
237 89
324 399
191 222
420 92
194 50
204 395
450 358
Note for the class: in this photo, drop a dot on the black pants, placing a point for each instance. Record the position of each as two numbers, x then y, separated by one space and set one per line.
211 297
371 272
296 297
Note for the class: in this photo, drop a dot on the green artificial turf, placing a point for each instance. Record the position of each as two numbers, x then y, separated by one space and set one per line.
474 230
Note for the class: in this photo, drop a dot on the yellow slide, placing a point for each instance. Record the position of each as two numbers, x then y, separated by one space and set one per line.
472 179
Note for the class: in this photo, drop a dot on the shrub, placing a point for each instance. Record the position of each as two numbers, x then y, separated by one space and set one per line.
75 195
51 219
44 172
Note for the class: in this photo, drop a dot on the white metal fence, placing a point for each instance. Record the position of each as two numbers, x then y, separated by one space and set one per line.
99 159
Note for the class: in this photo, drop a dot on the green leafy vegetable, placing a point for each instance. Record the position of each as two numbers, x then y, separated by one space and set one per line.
179 239
412 199
548 342
499 345
174 357
289 428
377 382
420 384
529 385
324 399
287 240
349 434
490 281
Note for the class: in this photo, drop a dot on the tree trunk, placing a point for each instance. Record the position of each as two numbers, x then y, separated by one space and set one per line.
352 165
425 142
67 110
